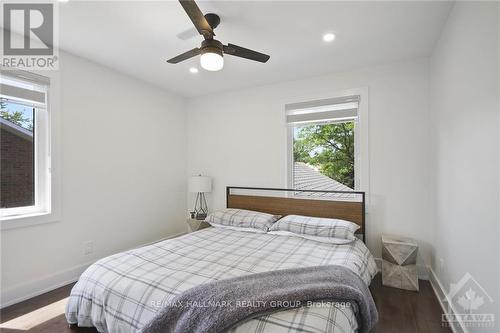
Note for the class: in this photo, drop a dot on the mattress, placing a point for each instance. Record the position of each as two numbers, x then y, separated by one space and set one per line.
123 292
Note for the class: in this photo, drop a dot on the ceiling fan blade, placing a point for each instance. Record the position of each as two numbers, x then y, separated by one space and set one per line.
196 16
242 52
184 56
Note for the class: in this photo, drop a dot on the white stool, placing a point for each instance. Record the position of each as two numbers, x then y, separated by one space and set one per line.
399 259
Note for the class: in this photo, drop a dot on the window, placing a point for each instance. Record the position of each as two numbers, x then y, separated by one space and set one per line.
24 150
17 155
324 144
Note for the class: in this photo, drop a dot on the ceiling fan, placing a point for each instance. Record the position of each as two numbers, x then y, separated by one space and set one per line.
211 50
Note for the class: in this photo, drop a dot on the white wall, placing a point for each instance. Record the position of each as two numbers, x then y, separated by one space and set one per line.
464 72
239 138
123 177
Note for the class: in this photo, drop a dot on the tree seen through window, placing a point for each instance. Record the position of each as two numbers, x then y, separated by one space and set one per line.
329 148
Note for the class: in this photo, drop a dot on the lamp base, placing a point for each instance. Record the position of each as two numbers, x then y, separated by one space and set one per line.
201 216
200 206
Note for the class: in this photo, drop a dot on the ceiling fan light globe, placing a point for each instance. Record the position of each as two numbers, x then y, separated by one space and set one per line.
211 61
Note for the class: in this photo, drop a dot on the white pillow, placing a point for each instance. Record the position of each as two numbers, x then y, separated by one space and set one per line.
326 240
257 231
332 231
241 218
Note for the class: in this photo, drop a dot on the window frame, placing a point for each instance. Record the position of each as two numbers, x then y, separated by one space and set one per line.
361 159
47 200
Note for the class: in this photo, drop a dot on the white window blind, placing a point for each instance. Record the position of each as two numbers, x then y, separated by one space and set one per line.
26 88
331 109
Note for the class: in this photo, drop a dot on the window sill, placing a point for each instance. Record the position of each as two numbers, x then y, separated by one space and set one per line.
27 220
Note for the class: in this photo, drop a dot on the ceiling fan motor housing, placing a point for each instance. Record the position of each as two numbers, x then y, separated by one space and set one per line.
212 19
211 46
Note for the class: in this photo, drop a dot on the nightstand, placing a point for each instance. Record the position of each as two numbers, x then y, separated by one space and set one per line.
399 262
194 225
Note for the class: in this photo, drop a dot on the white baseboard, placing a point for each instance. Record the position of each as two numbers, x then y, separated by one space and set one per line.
48 283
441 294
37 287
423 273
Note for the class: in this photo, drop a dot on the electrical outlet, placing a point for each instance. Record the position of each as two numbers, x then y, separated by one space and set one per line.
88 247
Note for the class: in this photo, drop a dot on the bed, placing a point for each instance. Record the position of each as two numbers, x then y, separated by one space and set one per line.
123 292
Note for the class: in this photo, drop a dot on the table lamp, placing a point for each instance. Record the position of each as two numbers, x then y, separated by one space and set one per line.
200 185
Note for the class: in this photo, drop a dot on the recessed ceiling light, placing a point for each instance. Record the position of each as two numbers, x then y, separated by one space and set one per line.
329 37
63 0
193 70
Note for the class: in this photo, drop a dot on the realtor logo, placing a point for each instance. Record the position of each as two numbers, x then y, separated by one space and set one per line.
465 299
29 36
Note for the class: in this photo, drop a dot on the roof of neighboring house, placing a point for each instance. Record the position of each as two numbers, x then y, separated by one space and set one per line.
15 129
307 177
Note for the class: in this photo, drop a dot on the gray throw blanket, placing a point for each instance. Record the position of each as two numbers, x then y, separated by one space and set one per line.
219 305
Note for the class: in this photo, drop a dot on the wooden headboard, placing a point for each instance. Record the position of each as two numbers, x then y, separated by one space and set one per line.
338 208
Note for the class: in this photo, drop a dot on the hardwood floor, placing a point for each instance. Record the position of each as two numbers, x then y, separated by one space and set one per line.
54 325
407 311
399 311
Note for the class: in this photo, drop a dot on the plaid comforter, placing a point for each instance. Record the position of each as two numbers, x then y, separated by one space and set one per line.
122 292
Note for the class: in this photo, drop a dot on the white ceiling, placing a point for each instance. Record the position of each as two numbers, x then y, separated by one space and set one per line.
136 37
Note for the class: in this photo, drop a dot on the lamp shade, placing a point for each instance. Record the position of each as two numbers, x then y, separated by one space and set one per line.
200 183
